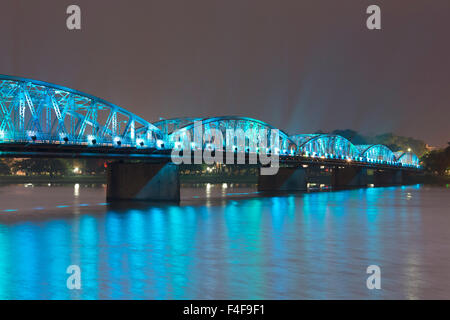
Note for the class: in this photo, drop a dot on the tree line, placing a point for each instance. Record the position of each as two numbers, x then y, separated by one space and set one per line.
438 161
51 167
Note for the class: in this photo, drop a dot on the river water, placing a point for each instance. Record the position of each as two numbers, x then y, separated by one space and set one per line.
225 242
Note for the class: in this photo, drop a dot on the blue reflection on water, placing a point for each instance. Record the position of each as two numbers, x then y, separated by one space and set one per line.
315 245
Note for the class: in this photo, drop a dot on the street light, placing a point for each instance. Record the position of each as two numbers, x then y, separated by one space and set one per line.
118 141
160 144
92 140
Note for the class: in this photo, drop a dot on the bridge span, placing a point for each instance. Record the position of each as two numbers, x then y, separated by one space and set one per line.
39 119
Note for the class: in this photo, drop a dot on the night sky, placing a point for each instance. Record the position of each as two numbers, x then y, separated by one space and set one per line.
299 65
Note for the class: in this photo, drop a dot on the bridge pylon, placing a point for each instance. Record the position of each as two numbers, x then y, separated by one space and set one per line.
287 179
143 181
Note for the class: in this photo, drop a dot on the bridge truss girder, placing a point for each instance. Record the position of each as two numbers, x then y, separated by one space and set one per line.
256 133
41 112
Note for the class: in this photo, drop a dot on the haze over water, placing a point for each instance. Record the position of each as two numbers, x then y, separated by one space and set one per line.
225 242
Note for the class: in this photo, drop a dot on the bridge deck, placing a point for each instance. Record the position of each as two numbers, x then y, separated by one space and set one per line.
109 152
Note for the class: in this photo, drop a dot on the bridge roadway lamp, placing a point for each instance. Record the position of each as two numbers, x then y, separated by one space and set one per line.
160 144
63 137
92 140
117 141
140 143
32 136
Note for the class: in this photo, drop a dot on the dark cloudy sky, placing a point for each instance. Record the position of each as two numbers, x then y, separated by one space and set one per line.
301 65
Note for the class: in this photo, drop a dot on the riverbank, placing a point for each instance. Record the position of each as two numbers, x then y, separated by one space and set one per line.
97 179
187 179
100 179
430 179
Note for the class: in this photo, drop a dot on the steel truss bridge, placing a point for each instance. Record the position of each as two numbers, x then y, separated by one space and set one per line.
39 119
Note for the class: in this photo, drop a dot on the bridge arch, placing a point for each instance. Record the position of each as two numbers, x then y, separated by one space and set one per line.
181 128
377 153
37 111
326 145
407 158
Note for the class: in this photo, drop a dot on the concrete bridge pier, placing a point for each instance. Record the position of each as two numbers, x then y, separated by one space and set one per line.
287 179
410 178
349 177
388 177
143 181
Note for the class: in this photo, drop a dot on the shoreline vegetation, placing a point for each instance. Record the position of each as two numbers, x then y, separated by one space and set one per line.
96 179
101 179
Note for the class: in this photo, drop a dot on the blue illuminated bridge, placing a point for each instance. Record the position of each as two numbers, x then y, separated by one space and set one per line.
39 119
